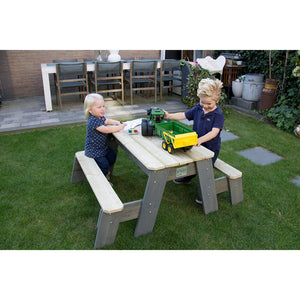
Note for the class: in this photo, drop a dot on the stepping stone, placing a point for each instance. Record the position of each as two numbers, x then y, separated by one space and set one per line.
260 156
296 180
227 136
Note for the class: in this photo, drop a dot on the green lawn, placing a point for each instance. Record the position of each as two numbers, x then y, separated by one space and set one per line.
41 209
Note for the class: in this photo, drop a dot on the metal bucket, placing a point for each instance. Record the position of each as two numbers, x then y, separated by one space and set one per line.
254 77
253 86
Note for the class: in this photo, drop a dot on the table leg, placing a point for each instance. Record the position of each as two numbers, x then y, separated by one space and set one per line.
236 190
151 202
207 188
108 225
47 91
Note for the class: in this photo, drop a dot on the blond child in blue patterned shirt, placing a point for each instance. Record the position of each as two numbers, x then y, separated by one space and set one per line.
96 134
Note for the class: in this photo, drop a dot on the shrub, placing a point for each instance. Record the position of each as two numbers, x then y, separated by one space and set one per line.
197 73
286 113
285 66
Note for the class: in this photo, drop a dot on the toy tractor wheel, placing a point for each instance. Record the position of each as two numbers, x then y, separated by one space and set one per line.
164 145
147 129
170 148
151 130
144 127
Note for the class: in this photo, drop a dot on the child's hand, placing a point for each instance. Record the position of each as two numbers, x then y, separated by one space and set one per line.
199 142
166 114
122 125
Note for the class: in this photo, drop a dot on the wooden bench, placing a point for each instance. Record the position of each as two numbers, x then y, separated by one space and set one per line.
232 181
109 219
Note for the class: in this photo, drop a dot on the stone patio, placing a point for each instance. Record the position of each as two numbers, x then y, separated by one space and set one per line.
29 113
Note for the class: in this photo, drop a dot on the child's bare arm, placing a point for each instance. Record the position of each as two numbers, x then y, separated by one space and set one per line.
207 137
175 116
111 129
112 122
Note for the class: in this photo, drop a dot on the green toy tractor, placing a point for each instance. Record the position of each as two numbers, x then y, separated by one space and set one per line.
175 135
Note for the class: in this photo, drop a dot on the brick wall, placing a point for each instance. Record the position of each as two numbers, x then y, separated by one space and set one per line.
139 54
20 70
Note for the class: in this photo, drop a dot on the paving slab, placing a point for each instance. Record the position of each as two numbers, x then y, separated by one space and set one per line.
260 156
296 180
228 136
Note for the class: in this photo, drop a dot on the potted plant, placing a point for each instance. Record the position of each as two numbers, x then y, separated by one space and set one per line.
196 74
237 86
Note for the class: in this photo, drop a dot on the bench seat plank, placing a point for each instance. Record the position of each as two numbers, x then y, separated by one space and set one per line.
225 168
105 194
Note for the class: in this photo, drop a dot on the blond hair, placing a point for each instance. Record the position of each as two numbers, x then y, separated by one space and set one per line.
211 88
89 101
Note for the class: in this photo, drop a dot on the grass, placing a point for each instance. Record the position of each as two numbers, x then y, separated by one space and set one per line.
41 209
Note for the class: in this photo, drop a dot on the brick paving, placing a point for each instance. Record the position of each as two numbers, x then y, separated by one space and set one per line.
29 113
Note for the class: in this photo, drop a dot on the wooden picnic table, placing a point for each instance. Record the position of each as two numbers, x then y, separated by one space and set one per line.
160 166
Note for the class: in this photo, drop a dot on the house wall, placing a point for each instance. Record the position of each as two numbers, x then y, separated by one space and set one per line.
20 70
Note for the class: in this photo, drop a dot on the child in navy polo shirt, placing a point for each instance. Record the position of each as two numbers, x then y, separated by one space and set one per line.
208 119
96 133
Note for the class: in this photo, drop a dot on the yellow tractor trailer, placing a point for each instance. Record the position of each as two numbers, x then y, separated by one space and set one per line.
175 135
